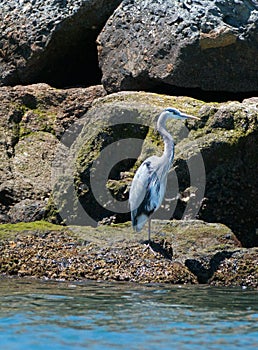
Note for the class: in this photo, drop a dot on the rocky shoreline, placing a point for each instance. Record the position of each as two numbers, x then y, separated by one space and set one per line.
78 79
183 253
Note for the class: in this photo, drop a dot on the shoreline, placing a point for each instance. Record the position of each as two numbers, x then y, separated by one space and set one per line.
181 255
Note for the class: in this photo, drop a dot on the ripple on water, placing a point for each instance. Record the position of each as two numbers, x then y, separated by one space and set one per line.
126 316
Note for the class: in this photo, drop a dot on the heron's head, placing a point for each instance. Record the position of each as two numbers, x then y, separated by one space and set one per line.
176 114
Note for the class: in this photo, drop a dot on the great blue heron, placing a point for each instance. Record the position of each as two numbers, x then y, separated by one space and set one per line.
150 180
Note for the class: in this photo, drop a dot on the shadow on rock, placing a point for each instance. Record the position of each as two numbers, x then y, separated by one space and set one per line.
202 273
163 248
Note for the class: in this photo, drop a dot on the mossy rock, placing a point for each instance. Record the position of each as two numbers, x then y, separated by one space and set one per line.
32 119
223 143
123 127
9 231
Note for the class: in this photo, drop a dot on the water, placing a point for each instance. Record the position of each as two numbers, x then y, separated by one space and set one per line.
100 316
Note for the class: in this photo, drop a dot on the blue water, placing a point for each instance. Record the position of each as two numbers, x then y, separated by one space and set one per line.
47 315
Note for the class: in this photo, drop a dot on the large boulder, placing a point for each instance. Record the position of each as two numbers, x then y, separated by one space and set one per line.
51 41
59 162
211 45
214 167
228 145
32 120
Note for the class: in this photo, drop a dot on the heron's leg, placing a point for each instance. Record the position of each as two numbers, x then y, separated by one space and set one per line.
148 246
149 230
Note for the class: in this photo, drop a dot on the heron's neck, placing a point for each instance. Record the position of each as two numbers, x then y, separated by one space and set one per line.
168 153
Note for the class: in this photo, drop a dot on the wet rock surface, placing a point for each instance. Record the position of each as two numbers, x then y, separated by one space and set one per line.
68 260
241 265
183 252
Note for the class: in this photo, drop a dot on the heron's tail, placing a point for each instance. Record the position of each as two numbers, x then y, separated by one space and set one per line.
139 221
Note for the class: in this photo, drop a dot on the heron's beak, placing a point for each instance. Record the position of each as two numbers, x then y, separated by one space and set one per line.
187 116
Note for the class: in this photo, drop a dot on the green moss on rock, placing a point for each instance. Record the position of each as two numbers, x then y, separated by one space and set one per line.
8 231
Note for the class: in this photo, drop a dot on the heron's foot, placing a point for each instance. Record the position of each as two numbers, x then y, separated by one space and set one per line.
162 248
149 247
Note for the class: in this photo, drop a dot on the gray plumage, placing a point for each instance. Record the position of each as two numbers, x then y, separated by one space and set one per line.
149 183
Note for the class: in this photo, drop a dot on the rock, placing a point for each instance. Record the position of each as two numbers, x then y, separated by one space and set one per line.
214 163
186 252
230 162
210 45
51 41
32 120
27 210
83 164
4 219
238 269
104 154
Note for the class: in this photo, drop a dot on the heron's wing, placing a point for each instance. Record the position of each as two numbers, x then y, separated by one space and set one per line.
144 194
